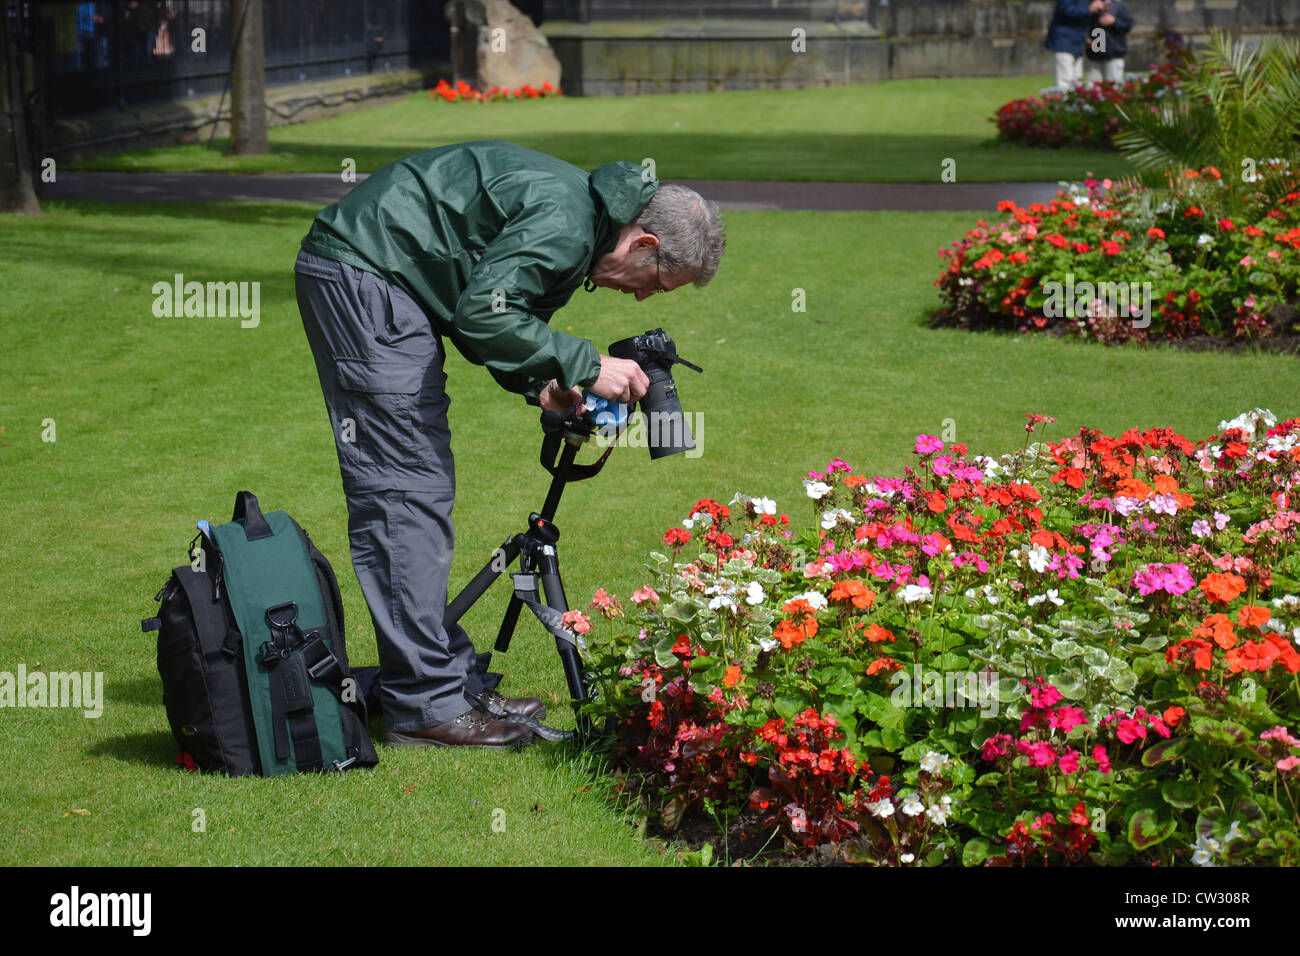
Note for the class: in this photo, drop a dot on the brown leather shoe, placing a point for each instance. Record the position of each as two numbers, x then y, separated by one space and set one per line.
470 729
524 706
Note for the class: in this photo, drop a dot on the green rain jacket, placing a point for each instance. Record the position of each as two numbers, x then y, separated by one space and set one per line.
491 239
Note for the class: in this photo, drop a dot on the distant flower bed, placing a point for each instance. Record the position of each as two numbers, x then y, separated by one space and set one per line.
1081 653
1118 262
1085 115
462 92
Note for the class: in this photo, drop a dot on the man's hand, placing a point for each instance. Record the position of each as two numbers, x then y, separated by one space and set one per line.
621 380
555 399
1097 6
1106 19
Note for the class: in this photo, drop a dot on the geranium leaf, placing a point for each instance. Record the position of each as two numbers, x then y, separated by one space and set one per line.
1146 828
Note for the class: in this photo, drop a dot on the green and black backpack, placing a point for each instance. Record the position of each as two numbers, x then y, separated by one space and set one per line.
251 652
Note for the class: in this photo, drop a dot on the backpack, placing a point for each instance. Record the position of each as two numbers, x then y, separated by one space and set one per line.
252 655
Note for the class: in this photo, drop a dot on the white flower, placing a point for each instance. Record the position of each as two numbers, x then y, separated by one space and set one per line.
906 857
1234 831
721 601
816 489
1205 239
912 805
1204 850
768 643
937 814
831 518
882 808
754 593
1039 558
816 600
913 593
764 506
1247 421
933 762
1051 595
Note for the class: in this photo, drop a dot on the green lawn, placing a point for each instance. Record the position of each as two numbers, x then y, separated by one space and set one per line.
160 421
897 131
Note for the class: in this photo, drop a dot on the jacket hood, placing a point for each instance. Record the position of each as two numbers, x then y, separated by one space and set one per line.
621 190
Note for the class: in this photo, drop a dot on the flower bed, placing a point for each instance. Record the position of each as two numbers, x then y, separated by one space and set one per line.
1118 262
462 92
1083 652
1085 115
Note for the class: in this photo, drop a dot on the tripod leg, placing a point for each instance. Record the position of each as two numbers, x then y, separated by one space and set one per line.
500 560
553 588
508 624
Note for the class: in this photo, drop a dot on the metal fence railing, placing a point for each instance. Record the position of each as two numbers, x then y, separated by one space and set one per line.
90 56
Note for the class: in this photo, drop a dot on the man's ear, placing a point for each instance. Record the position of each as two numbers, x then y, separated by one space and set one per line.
645 242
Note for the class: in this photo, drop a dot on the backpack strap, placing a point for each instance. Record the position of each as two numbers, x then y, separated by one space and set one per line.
292 707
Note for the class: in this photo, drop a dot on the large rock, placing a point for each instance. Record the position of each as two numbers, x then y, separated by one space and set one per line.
508 50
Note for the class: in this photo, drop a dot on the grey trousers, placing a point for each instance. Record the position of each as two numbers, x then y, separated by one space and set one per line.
380 367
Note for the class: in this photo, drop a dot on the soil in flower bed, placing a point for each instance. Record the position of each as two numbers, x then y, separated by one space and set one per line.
1274 344
748 842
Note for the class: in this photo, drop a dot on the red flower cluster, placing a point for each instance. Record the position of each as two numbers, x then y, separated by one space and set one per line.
1071 838
465 93
809 769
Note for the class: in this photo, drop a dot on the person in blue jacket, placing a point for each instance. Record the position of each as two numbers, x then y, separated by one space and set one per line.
1067 37
1107 43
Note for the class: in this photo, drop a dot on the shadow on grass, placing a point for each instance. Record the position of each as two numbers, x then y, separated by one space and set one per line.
153 750
800 156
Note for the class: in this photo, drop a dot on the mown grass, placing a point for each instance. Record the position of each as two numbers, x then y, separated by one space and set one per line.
897 131
158 422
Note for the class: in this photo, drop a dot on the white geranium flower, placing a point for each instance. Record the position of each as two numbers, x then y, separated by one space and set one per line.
721 601
768 643
912 593
938 815
764 506
1051 595
906 857
831 518
912 805
816 600
1039 558
816 490
1205 239
754 593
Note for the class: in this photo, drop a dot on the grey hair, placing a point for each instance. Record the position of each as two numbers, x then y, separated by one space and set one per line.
689 229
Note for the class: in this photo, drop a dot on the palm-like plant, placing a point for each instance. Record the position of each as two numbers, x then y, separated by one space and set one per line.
1237 107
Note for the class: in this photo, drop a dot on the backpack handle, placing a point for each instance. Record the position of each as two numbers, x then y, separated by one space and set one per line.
247 508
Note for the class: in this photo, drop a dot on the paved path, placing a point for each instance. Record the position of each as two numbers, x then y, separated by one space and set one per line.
324 188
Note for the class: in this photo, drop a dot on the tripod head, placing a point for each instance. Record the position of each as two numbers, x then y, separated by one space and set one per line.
570 431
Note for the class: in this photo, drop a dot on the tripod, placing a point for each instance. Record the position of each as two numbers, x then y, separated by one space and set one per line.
538 559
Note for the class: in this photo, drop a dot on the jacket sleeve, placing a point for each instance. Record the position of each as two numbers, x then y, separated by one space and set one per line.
1123 19
539 249
1074 9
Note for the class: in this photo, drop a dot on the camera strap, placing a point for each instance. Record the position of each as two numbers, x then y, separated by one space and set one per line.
550 453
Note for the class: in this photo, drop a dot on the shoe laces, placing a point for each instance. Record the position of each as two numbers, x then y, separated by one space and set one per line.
474 719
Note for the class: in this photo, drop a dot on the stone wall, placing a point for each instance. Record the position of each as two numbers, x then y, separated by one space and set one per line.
892 39
192 119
